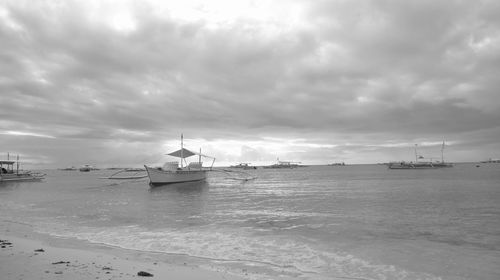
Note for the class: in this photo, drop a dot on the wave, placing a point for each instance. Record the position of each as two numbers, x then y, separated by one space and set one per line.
277 254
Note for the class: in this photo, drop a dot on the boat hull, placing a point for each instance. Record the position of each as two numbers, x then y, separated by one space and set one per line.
19 177
426 165
278 166
163 177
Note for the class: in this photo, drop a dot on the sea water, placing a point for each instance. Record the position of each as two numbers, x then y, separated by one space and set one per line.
317 222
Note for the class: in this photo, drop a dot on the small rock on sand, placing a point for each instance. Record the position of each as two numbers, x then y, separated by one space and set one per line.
144 274
60 262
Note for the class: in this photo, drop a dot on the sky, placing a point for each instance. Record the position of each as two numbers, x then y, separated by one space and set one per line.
115 83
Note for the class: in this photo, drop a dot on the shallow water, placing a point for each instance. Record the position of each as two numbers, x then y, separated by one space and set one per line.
318 222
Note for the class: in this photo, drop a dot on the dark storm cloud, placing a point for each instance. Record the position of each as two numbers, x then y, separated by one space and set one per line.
370 73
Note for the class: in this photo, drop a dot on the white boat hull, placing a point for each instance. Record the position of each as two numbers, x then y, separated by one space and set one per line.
19 177
419 165
163 177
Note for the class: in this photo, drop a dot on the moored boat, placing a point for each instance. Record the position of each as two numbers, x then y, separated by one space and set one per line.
490 160
71 168
243 166
162 176
8 174
173 172
283 164
418 165
85 168
337 164
421 164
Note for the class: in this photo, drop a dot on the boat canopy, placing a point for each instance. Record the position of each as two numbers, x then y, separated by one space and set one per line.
185 153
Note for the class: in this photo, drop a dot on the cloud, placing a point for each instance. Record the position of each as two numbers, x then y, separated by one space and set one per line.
338 74
22 133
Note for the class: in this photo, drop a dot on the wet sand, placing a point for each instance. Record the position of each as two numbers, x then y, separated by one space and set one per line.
30 258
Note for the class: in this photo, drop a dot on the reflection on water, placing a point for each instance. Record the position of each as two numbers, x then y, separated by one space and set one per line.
10 185
198 186
183 202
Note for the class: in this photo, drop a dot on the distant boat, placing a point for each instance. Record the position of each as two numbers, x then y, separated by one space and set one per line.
85 168
337 164
9 174
421 164
171 173
491 161
71 168
418 165
283 164
243 166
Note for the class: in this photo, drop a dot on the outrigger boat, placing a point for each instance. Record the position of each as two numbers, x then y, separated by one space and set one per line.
421 164
8 174
172 173
283 164
243 166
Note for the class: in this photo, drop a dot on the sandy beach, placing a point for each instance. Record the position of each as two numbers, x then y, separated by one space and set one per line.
28 257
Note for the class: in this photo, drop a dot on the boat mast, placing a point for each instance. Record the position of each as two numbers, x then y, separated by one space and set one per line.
17 171
442 153
182 148
416 155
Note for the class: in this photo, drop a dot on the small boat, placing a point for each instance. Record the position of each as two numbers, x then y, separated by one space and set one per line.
418 165
283 164
171 172
490 160
8 174
86 168
71 168
243 166
421 164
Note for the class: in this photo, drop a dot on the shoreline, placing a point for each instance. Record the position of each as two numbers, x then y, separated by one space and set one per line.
28 255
